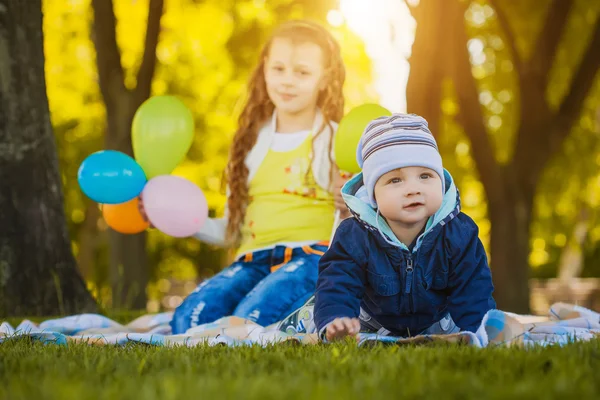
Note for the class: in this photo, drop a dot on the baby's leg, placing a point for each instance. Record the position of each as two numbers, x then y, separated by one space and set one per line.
218 296
368 324
444 326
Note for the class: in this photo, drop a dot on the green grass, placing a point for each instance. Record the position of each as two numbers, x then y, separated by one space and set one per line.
34 371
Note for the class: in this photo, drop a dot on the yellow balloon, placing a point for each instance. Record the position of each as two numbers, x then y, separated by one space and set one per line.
349 132
162 133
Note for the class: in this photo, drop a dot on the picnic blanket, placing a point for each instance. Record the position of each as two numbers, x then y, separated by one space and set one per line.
565 323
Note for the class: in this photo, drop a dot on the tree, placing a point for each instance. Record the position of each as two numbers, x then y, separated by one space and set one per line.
38 274
128 259
541 129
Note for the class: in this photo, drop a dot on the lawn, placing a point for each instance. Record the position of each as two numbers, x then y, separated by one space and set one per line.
34 371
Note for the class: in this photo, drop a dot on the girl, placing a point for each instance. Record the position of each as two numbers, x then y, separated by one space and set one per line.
280 205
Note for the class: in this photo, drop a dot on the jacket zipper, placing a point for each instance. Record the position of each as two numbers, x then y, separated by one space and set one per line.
409 281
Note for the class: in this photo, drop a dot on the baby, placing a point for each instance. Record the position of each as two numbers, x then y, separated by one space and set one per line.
409 262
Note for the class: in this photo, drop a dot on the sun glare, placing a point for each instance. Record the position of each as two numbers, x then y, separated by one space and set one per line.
387 28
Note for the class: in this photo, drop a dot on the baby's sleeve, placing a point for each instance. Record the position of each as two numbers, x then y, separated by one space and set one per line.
341 282
470 279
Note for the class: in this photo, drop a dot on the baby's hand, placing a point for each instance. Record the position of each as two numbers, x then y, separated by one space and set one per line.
342 327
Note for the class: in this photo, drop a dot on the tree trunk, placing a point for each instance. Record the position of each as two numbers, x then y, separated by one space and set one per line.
38 273
570 264
424 88
128 258
88 242
509 245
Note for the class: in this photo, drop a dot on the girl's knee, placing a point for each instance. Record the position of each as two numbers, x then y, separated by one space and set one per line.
268 307
180 322
192 312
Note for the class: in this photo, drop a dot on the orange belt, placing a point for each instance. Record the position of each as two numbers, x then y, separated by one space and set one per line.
287 256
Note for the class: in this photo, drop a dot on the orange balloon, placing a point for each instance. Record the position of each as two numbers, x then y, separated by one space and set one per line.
125 217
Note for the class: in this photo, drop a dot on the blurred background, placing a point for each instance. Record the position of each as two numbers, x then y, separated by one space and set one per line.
510 90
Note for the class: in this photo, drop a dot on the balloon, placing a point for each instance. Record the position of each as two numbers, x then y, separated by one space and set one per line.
174 205
125 217
349 132
162 133
110 177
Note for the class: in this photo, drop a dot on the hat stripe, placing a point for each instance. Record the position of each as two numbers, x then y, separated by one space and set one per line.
375 135
381 121
400 132
395 143
398 121
400 139
370 135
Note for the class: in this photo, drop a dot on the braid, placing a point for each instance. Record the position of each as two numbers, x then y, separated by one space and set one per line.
256 112
259 108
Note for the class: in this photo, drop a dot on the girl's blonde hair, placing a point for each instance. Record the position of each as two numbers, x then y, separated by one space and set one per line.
259 108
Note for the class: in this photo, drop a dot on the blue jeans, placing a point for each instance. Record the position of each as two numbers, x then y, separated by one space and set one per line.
265 287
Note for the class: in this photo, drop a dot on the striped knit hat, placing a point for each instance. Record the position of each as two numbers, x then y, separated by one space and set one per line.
398 141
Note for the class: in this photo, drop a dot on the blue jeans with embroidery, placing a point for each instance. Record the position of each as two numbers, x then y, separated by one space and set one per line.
264 286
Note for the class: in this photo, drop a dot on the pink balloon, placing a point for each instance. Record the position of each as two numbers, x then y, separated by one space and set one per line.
174 205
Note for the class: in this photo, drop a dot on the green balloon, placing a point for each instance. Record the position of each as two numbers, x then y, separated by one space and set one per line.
162 133
349 132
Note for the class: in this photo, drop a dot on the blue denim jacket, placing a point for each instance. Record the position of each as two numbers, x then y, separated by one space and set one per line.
406 291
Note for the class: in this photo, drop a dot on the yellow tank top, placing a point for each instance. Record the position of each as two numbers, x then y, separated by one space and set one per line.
285 204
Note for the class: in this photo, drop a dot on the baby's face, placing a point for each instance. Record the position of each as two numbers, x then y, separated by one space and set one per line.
409 195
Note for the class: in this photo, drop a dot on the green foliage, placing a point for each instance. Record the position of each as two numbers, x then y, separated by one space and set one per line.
571 180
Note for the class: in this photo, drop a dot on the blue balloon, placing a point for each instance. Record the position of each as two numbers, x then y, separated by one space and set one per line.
111 177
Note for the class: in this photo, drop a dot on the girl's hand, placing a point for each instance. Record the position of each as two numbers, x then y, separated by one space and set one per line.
342 327
142 210
338 201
